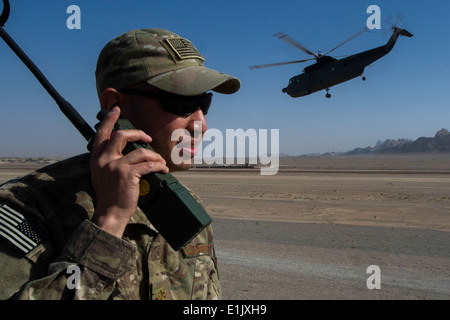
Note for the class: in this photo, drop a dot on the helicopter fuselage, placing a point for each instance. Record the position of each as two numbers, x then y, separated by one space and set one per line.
330 71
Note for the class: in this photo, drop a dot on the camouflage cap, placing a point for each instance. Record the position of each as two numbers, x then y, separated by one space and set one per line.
161 58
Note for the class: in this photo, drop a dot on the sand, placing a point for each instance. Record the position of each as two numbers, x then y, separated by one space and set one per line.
398 191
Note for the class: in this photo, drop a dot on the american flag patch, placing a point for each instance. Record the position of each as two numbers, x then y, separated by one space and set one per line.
184 48
21 232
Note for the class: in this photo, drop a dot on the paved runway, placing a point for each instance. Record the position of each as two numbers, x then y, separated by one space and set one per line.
286 260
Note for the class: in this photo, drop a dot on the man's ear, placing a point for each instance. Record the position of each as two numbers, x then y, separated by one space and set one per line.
109 99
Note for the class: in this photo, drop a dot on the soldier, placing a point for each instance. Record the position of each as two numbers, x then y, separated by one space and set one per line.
73 230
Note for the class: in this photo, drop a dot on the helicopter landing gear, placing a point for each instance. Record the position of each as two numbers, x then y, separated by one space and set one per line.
328 95
363 78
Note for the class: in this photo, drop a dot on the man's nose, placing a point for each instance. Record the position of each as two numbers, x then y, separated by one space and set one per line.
197 121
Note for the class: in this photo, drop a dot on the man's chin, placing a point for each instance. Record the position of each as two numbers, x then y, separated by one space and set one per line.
184 159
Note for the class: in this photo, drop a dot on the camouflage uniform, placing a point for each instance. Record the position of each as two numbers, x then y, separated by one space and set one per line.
58 202
45 227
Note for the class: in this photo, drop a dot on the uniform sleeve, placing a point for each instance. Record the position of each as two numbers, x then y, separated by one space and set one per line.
90 263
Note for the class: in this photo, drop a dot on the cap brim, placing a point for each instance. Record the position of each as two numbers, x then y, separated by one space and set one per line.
195 80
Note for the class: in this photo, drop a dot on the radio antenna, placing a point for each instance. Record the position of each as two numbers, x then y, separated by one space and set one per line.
70 112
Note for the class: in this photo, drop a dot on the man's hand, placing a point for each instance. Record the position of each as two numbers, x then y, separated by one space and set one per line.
115 176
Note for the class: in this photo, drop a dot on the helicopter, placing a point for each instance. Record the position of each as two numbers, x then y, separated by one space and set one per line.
329 71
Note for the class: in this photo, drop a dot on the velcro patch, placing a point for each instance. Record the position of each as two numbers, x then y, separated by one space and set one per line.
184 48
21 232
197 249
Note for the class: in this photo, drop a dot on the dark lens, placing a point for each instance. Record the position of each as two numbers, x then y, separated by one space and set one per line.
176 104
206 103
185 106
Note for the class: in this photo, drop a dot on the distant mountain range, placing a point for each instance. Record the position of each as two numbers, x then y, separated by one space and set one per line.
439 143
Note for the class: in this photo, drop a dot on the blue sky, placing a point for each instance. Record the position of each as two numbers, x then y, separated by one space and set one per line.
405 94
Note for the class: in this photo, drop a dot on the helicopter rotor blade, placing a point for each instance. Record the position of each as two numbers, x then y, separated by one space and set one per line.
283 36
277 64
351 38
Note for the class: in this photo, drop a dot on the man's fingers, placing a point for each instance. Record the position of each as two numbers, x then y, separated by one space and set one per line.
147 167
120 138
145 161
142 155
113 144
104 130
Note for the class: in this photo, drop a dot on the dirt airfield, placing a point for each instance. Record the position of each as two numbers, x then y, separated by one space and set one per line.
391 191
316 228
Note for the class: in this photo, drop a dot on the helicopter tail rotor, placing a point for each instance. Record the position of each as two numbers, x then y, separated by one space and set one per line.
392 22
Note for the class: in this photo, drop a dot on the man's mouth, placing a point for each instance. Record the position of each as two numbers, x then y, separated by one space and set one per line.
192 150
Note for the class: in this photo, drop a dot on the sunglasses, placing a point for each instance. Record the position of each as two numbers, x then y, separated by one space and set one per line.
174 103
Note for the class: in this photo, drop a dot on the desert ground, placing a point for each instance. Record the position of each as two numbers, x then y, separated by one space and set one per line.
316 228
